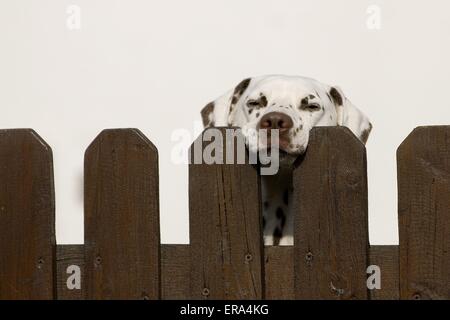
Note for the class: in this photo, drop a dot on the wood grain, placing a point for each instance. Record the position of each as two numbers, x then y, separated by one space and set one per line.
331 223
386 257
279 273
66 256
122 247
225 226
27 216
423 161
175 271
123 258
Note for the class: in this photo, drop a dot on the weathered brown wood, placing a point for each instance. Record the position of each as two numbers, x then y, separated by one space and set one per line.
68 256
279 273
423 161
27 216
225 226
175 271
331 223
386 257
122 248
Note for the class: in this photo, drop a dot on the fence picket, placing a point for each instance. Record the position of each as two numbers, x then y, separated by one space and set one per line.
331 222
225 226
423 161
122 246
27 216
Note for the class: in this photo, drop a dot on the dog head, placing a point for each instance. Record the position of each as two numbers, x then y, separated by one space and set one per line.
290 105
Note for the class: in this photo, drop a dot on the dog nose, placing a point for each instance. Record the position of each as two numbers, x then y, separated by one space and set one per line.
276 120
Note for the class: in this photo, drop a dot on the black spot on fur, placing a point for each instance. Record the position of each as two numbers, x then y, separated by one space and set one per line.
241 87
257 114
281 216
238 91
365 134
206 111
277 233
263 101
283 222
279 213
303 103
336 97
257 104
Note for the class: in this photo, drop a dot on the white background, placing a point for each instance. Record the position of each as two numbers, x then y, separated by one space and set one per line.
154 64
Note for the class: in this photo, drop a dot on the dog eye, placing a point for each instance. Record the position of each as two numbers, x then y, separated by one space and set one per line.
313 106
253 103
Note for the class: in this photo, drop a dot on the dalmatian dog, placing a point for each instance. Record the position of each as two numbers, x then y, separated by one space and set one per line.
292 105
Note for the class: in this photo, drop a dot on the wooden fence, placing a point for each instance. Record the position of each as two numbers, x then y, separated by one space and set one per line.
122 257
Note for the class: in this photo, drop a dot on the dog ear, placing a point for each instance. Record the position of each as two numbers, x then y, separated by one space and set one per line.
219 113
350 116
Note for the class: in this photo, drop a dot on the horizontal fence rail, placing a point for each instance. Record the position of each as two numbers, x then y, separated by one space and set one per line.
122 257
